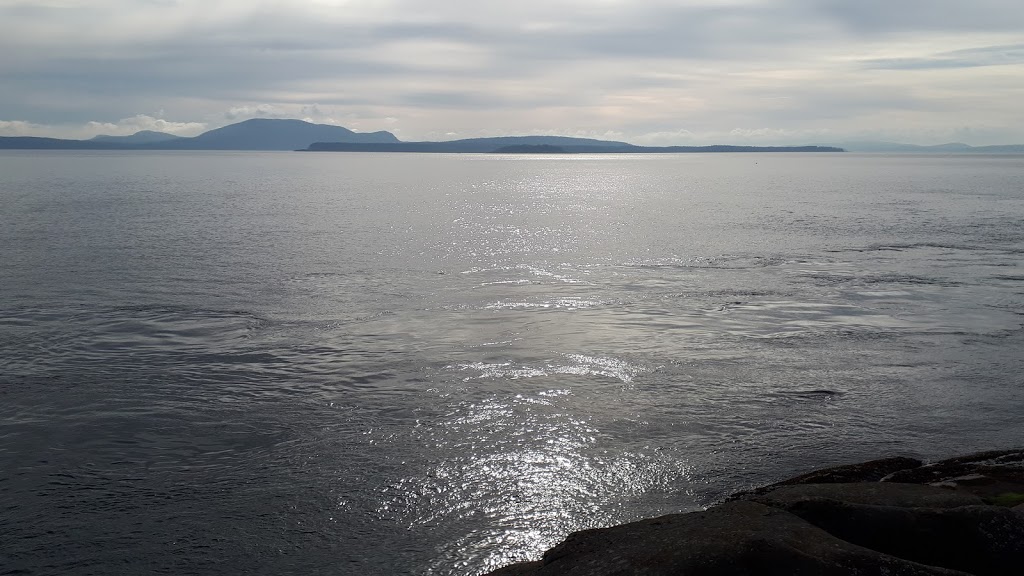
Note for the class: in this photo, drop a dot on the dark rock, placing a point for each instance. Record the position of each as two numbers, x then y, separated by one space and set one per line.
932 473
986 474
920 523
735 539
989 457
871 493
871 471
521 569
891 516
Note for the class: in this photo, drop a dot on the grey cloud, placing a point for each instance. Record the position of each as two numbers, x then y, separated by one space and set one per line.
674 32
809 105
265 51
969 58
826 103
874 17
448 99
532 55
476 100
187 73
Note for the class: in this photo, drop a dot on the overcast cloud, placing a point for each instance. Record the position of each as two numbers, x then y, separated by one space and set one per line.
650 72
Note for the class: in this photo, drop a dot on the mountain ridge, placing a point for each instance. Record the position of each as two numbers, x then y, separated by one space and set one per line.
254 134
293 134
271 134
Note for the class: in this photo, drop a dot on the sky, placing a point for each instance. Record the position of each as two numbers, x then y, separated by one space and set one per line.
653 72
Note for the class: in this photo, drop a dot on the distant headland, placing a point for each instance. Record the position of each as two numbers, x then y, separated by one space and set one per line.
276 134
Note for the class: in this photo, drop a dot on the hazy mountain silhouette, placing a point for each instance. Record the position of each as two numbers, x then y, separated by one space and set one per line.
282 134
949 148
1000 149
271 134
286 134
256 134
141 137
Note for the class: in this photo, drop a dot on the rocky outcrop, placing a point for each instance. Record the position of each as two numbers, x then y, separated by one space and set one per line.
895 516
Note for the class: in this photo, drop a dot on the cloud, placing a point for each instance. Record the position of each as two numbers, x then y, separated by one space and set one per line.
967 58
887 17
637 69
237 113
21 128
122 127
139 122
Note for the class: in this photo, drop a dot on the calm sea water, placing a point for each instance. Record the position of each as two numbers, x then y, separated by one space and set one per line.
281 363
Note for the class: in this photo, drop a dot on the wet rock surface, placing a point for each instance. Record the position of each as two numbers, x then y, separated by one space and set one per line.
895 516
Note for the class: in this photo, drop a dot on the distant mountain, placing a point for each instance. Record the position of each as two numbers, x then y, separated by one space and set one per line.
141 137
272 134
950 148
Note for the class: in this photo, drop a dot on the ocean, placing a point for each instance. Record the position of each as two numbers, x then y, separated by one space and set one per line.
378 364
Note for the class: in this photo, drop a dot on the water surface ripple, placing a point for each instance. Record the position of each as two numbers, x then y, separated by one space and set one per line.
271 363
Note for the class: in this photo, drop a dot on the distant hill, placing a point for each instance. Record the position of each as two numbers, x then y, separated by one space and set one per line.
37 143
950 148
499 141
475 145
563 143
1002 149
530 149
731 148
141 137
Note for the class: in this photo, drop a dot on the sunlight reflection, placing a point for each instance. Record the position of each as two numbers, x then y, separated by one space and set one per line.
525 471
577 364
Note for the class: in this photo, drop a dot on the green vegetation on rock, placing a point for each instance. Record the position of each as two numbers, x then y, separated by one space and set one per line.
1008 499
